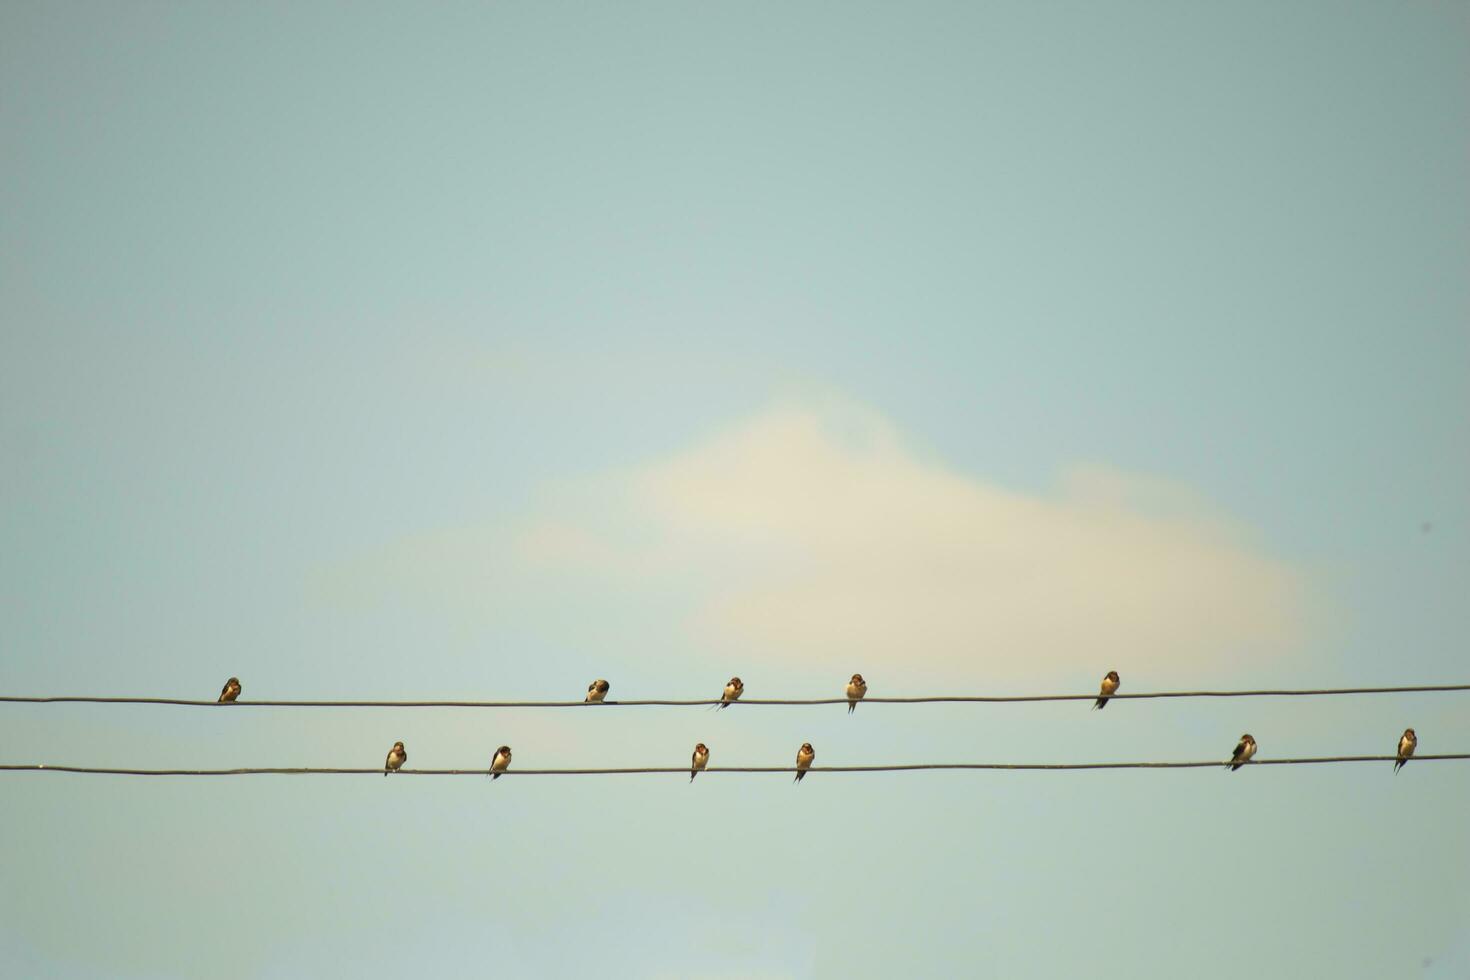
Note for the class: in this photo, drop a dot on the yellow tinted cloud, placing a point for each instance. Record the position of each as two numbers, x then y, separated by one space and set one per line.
820 535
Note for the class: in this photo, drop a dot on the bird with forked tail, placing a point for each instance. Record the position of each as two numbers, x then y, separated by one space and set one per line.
1244 749
804 757
1108 689
733 690
1408 742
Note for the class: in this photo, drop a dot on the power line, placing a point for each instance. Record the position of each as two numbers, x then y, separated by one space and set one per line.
927 699
684 770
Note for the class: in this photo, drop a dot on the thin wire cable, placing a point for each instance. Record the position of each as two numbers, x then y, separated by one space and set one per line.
684 770
927 699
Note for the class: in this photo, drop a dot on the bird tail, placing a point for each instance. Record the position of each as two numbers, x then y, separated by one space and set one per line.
692 774
851 706
1236 766
1398 764
385 773
1100 704
799 775
494 776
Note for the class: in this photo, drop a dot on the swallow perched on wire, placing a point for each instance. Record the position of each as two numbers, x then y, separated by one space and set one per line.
700 760
1408 742
1109 687
597 690
804 757
1243 752
856 689
397 756
230 692
500 763
733 690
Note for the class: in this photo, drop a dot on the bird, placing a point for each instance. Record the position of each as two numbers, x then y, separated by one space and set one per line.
500 763
597 690
1408 742
733 690
700 760
397 756
1243 752
856 689
1109 687
804 757
230 692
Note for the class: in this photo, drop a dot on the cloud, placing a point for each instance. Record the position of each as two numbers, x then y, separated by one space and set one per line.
819 536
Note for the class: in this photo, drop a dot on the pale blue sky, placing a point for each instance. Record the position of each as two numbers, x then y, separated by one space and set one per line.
481 350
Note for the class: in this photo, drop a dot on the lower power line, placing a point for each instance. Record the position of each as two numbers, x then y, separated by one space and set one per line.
684 770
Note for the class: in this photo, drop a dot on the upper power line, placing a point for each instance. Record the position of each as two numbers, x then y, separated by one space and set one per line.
645 703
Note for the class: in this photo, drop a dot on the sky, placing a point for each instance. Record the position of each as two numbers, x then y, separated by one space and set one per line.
475 351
